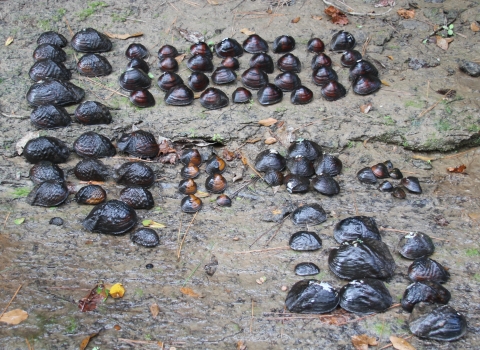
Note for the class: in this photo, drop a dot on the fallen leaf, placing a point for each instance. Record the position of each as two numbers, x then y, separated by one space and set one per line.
474 216
212 2
385 3
276 211
296 20
426 159
400 343
247 31
228 155
155 310
253 140
14 317
170 158
442 43
267 122
191 36
407 14
474 27
458 169
318 18
244 160
189 292
201 194
123 36
86 340
241 345
361 342
9 40
384 83
338 17
441 221
366 108
97 295
165 147
23 141
390 57
19 221
180 58
270 141
152 224
117 290
197 95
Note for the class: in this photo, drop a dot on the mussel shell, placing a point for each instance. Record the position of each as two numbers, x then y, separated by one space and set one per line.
426 291
380 171
395 173
241 95
224 201
191 155
362 67
366 84
361 258
283 44
323 75
90 194
94 65
269 95
200 63
398 192
301 96
146 237
342 41
191 204
213 98
296 183
168 64
416 245
50 117
315 45
321 60
305 148
270 159
389 164
134 79
412 184
45 171
179 95
223 75
53 38
54 91
328 164
230 63
366 176
89 40
48 68
167 51
300 165
228 47
254 78
139 64
262 61
308 214
350 57
305 241
255 44
273 178
365 296
426 269
287 81
201 48
93 145
168 80
311 297
333 91
190 171
142 98
355 227
289 63
46 148
435 322
215 183
215 165
135 174
326 185
49 193
198 81
91 169
92 112
136 50
385 186
306 269
113 217
137 197
187 186
139 143
49 51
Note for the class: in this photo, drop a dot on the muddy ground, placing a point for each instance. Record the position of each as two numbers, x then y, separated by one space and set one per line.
57 266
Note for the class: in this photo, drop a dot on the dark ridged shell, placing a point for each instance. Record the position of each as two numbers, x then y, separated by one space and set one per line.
50 117
416 245
53 91
283 44
323 75
137 197
230 63
168 80
296 183
270 160
255 44
167 51
136 50
365 297
254 78
306 269
287 81
311 297
301 96
168 64
289 63
228 47
342 41
90 169
200 63
213 98
412 184
89 40
395 173
134 79
56 221
198 81
92 113
426 291
53 38
113 217
48 68
241 95
94 65
139 64
355 227
426 269
366 176
215 183
139 143
215 165
187 186
333 91
362 67
305 148
366 84
223 75
45 171
273 177
146 237
142 98
326 185
300 165
315 45
135 174
91 194
201 49
191 204
305 241
321 60
93 145
46 148
269 95
328 164
50 193
179 96
350 57
49 51
309 214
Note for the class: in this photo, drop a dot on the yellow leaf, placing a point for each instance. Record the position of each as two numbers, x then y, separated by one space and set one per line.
407 14
9 40
385 83
296 20
426 159
123 36
267 122
474 27
270 141
197 95
117 291
255 140
318 18
86 340
361 342
155 310
212 2
201 194
247 31
189 292
400 343
390 57
14 317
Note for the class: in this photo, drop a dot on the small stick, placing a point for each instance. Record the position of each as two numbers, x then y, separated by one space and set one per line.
200 263
262 250
389 345
172 6
140 341
14 116
185 235
6 307
459 154
235 194
68 26
6 219
134 159
251 318
28 344
245 161
263 234
358 13
278 229
365 44
428 87
434 105
105 87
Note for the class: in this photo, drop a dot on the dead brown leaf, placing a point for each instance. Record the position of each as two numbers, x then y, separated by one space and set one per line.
318 18
228 155
458 169
189 292
170 158
385 3
241 345
474 27
267 122
155 310
361 342
9 40
400 343
390 57
192 36
255 140
247 31
14 317
180 58
123 36
296 20
366 108
276 211
270 141
443 42
117 327
474 216
337 16
407 14
97 295
86 340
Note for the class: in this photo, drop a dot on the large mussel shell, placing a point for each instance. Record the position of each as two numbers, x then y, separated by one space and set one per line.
328 164
385 186
283 44
350 57
113 217
289 63
296 183
90 194
168 80
305 148
50 117
416 245
300 165
91 169
241 95
198 81
48 68
315 45
306 269
53 38
137 197
321 60
366 296
167 51
230 63
366 84
215 165
412 184
142 98
287 81
187 186
201 48
48 194
333 91
190 171
191 204
179 95
146 237
92 112
356 227
45 171
380 171
49 51
270 159
53 91
254 78
262 61
135 174
46 148
366 176
139 143
326 185
435 322
301 96
309 214
94 65
426 269
213 98
89 40
228 47
361 258
273 177
342 41
305 241
323 75
311 297
255 44
269 94
139 64
223 75
168 64
134 79
215 183
426 291
191 155
362 67
136 50
93 145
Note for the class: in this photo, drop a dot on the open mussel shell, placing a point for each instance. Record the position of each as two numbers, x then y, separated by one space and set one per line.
49 51
213 98
89 40
228 47
113 217
306 269
287 81
190 171
179 95
385 186
315 45
200 63
53 38
442 323
415 245
168 64
45 171
241 95
283 44
191 155
366 176
328 164
350 57
198 81
262 61
215 165
296 183
93 145
167 51
323 75
137 197
135 174
395 173
91 169
139 143
46 148
223 75
326 185
54 91
412 184
136 50
356 227
269 95
92 112
191 204
254 78
305 148
93 65
366 84
215 183
333 91
134 79
48 68
365 296
311 297
230 63
426 269
90 194
380 171
50 117
342 41
426 291
308 214
289 63
50 193
139 64
305 241
142 98
146 237
273 178
361 258
168 80
201 48
399 193
255 44
270 159
301 96
321 60
300 165
187 186
362 67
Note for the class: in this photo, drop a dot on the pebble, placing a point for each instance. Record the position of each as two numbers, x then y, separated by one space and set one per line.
149 266
471 68
56 221
421 164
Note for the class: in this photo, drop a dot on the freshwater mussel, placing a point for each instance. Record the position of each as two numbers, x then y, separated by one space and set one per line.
53 38
425 291
93 145
89 40
167 51
254 78
305 148
50 193
49 51
46 148
311 297
168 80
262 61
380 171
179 95
365 296
134 79
269 94
139 64
146 237
342 41
412 184
50 117
135 174
356 227
366 176
139 143
213 98
321 60
201 48
366 84
296 183
228 47
190 171
48 68
54 91
329 164
333 91
112 217
273 177
230 63
270 159
315 45
283 44
142 98
191 204
187 186
198 81
300 165
323 75
415 245
325 184
287 81
350 57
224 201
255 44
301 96
289 63
137 197
191 155
200 63
94 65
395 173
385 186
362 67
45 171
241 95
136 50
90 194
168 64
215 183
305 241
309 214
426 269
306 269
399 193
215 165
91 169
92 112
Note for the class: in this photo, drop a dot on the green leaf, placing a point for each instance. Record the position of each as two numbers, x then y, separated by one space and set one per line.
19 221
450 26
450 32
147 223
151 75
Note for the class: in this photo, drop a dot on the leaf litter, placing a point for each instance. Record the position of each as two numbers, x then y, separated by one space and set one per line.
14 317
362 341
337 16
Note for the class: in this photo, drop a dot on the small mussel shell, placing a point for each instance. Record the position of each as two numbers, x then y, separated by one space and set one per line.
48 68
426 291
426 269
89 40
113 217
273 178
215 183
366 176
223 75
254 78
412 184
362 258
270 159
395 173
366 84
90 169
288 81
389 164
190 171
49 51
90 194
262 61
54 91
342 41
93 145
230 63
301 96
398 192
46 148
362 67
191 204
255 44
306 269
315 45
142 98
135 174
215 165
168 64
333 91
326 185
45 171
50 193
442 323
415 245
93 65
136 50
365 296
137 197
168 80
191 155
198 81
139 143
289 63
228 47
224 201
300 165
350 57
241 95
213 98
356 227
305 148
146 237
179 95
380 171
283 44
296 183
311 297
328 164
53 38
305 241
139 64
321 60
385 186
167 51
269 95
187 186
309 214
50 117
92 112
200 63
134 79
201 48
323 75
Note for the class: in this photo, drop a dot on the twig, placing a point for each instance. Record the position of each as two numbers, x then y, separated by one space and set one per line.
459 154
15 116
105 87
389 345
428 87
28 344
245 161
172 6
191 3
262 250
434 105
6 307
252 180
133 159
200 263
365 44
251 319
6 219
278 229
185 235
141 341
358 13
68 26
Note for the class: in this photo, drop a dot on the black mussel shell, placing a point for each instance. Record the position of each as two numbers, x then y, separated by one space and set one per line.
255 44
230 63
91 194
92 112
254 78
315 45
350 57
306 269
321 60
137 197
45 171
213 98
113 217
326 185
262 61
53 38
426 269
362 67
365 296
305 241
270 159
434 322
47 68
333 91
273 177
49 51
296 183
361 258
142 98
146 237
380 171
283 44
135 174
179 95
134 79
385 186
287 81
300 165
215 183
46 148
342 41
56 221
398 192
224 201
223 75
412 184
139 143
187 186
53 91
136 50
50 117
328 164
269 95
366 84
168 64
309 214
305 148
301 96
395 173
416 245
168 80
323 75
311 297
366 176
50 193
356 227
201 49
89 40
215 165
93 145
91 169
93 65
167 51
241 95
190 171
389 164
289 63
191 155
139 64
426 291
191 204
198 81
228 47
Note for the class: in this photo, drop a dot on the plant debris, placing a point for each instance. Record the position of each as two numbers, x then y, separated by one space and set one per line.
296 20
400 343
19 221
270 140
189 292
267 122
366 108
318 18
9 40
86 340
361 342
261 280
458 169
474 27
117 291
247 31
448 93
406 14
123 36
97 295
211 267
14 317
385 3
155 310
152 224
228 155
192 36
443 42
338 17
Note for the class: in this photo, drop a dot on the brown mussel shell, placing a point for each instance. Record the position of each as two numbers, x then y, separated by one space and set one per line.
46 148
191 204
90 194
296 183
323 75
139 64
216 183
380 171
91 169
223 75
213 98
45 171
179 95
385 186
224 201
113 217
93 145
305 241
54 91
228 47
168 64
136 50
146 237
342 41
89 40
398 192
300 165
412 184
315 45
269 95
321 60
53 38
262 61
283 44
366 84
366 176
305 148
93 65
134 79
50 117
415 245
311 297
254 78
426 291
48 68
215 165
142 98
389 164
328 164
92 112
273 178
289 63
365 296
395 173
167 51
241 95
308 215
255 44
287 81
168 80
198 81
49 51
301 96
326 185
191 155
333 91
362 67
356 227
187 186
135 174
426 269
201 48
306 269
190 171
139 143
350 57
270 159
50 193
230 63
137 197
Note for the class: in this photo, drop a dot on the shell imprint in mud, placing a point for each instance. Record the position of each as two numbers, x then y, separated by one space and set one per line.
305 241
113 217
366 296
311 297
356 227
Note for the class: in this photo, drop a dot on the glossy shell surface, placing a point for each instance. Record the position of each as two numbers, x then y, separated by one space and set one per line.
92 112
134 79
146 237
315 45
168 80
191 155
201 48
365 296
283 44
301 96
136 50
426 291
168 64
362 67
90 169
254 78
366 176
305 241
289 63
50 117
366 84
215 183
187 186
45 171
350 57
113 217
90 40
198 81
167 51
53 91
93 145
213 98
296 183
412 184
53 38
137 197
142 98
426 269
306 269
262 61
305 148
139 64
287 81
273 177
342 41
323 75
355 227
416 245
228 47
49 51
270 159
311 297
241 95
48 68
135 174
308 214
326 185
200 63
300 165
50 193
215 165
269 95
329 164
333 91
139 143
191 204
90 194
94 65
179 95
255 44
46 148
